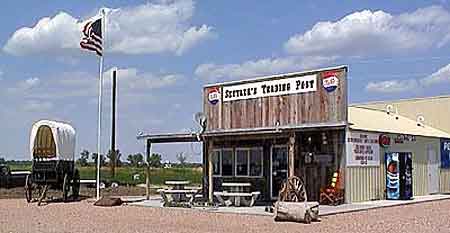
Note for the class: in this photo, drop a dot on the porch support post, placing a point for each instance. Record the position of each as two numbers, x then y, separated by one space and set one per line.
291 155
147 177
210 171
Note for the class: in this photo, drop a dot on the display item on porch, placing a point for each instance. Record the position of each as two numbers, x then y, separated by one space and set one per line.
293 205
333 194
52 149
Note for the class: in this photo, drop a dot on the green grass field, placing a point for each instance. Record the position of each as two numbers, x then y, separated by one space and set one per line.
124 175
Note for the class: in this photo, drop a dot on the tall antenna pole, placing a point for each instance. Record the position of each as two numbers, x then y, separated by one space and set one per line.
100 87
113 118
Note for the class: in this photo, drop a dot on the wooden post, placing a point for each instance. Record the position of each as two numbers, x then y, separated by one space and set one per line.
291 155
210 171
147 177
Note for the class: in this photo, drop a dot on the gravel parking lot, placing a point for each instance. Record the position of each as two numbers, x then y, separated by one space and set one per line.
18 216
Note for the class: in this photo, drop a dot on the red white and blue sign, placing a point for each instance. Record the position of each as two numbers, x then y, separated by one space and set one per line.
330 81
214 95
445 153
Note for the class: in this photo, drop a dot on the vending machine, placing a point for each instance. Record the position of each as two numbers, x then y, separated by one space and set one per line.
398 176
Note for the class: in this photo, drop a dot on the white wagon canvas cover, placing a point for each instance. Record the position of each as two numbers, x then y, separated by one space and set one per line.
52 140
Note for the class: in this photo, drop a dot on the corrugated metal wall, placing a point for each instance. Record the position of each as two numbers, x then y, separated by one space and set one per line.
368 183
444 186
420 173
364 184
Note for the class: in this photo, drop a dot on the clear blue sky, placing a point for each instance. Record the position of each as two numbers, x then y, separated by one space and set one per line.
167 50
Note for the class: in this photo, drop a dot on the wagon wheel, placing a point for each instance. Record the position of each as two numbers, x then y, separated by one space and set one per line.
76 184
292 190
296 189
66 187
28 189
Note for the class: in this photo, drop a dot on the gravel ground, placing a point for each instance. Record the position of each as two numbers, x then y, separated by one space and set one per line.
18 216
18 192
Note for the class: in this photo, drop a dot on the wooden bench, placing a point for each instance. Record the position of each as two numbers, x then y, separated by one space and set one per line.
237 196
176 202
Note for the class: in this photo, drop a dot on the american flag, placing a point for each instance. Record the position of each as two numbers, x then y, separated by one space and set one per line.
92 36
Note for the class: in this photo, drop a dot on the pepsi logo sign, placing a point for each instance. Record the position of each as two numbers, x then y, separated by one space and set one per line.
214 95
330 81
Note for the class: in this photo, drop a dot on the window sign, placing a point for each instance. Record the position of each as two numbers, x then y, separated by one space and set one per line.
445 153
363 149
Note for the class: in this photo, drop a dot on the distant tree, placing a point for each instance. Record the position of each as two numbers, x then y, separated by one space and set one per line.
114 160
102 159
84 157
2 160
155 160
181 157
135 159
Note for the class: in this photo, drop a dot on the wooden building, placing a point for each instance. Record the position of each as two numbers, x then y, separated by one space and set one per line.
263 130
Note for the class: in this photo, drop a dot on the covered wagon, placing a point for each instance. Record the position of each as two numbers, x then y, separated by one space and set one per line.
52 149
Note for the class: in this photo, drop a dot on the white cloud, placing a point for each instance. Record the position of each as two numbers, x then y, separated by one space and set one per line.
441 76
131 80
37 106
367 32
24 86
392 86
49 35
162 27
211 72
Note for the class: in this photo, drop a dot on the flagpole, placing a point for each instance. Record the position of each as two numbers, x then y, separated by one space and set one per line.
100 87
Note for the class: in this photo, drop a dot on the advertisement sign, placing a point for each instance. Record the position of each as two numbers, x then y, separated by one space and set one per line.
445 153
276 87
214 95
363 149
330 81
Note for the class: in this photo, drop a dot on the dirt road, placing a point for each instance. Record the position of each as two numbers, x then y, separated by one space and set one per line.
18 216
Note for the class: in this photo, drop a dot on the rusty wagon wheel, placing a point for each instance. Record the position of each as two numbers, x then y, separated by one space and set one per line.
28 189
293 190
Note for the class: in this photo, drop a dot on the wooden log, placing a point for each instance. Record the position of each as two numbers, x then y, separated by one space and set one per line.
296 211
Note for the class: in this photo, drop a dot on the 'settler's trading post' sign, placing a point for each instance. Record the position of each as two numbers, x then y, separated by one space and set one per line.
445 153
276 87
363 149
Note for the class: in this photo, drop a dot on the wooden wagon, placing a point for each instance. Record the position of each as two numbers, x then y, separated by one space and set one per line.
52 149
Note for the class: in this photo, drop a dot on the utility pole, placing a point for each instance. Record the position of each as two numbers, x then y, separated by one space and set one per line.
113 122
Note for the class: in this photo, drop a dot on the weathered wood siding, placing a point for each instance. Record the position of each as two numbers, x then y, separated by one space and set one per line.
289 110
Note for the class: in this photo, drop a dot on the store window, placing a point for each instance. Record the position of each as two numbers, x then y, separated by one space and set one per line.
227 162
256 162
241 162
249 161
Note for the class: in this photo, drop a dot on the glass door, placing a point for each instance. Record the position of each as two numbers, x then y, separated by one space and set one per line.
278 169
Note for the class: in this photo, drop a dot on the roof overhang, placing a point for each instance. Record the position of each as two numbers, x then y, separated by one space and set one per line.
170 137
274 130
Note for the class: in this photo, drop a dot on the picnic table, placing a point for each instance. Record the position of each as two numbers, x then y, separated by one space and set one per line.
236 192
178 194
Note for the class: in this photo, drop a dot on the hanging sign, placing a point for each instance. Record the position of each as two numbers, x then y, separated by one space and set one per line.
445 153
276 87
363 149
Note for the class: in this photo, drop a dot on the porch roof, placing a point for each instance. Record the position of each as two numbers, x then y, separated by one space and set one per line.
274 130
170 137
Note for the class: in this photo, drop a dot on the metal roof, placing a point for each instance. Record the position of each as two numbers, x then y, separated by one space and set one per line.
401 100
367 119
275 76
170 137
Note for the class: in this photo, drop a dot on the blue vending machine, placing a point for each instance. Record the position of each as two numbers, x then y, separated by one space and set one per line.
398 176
